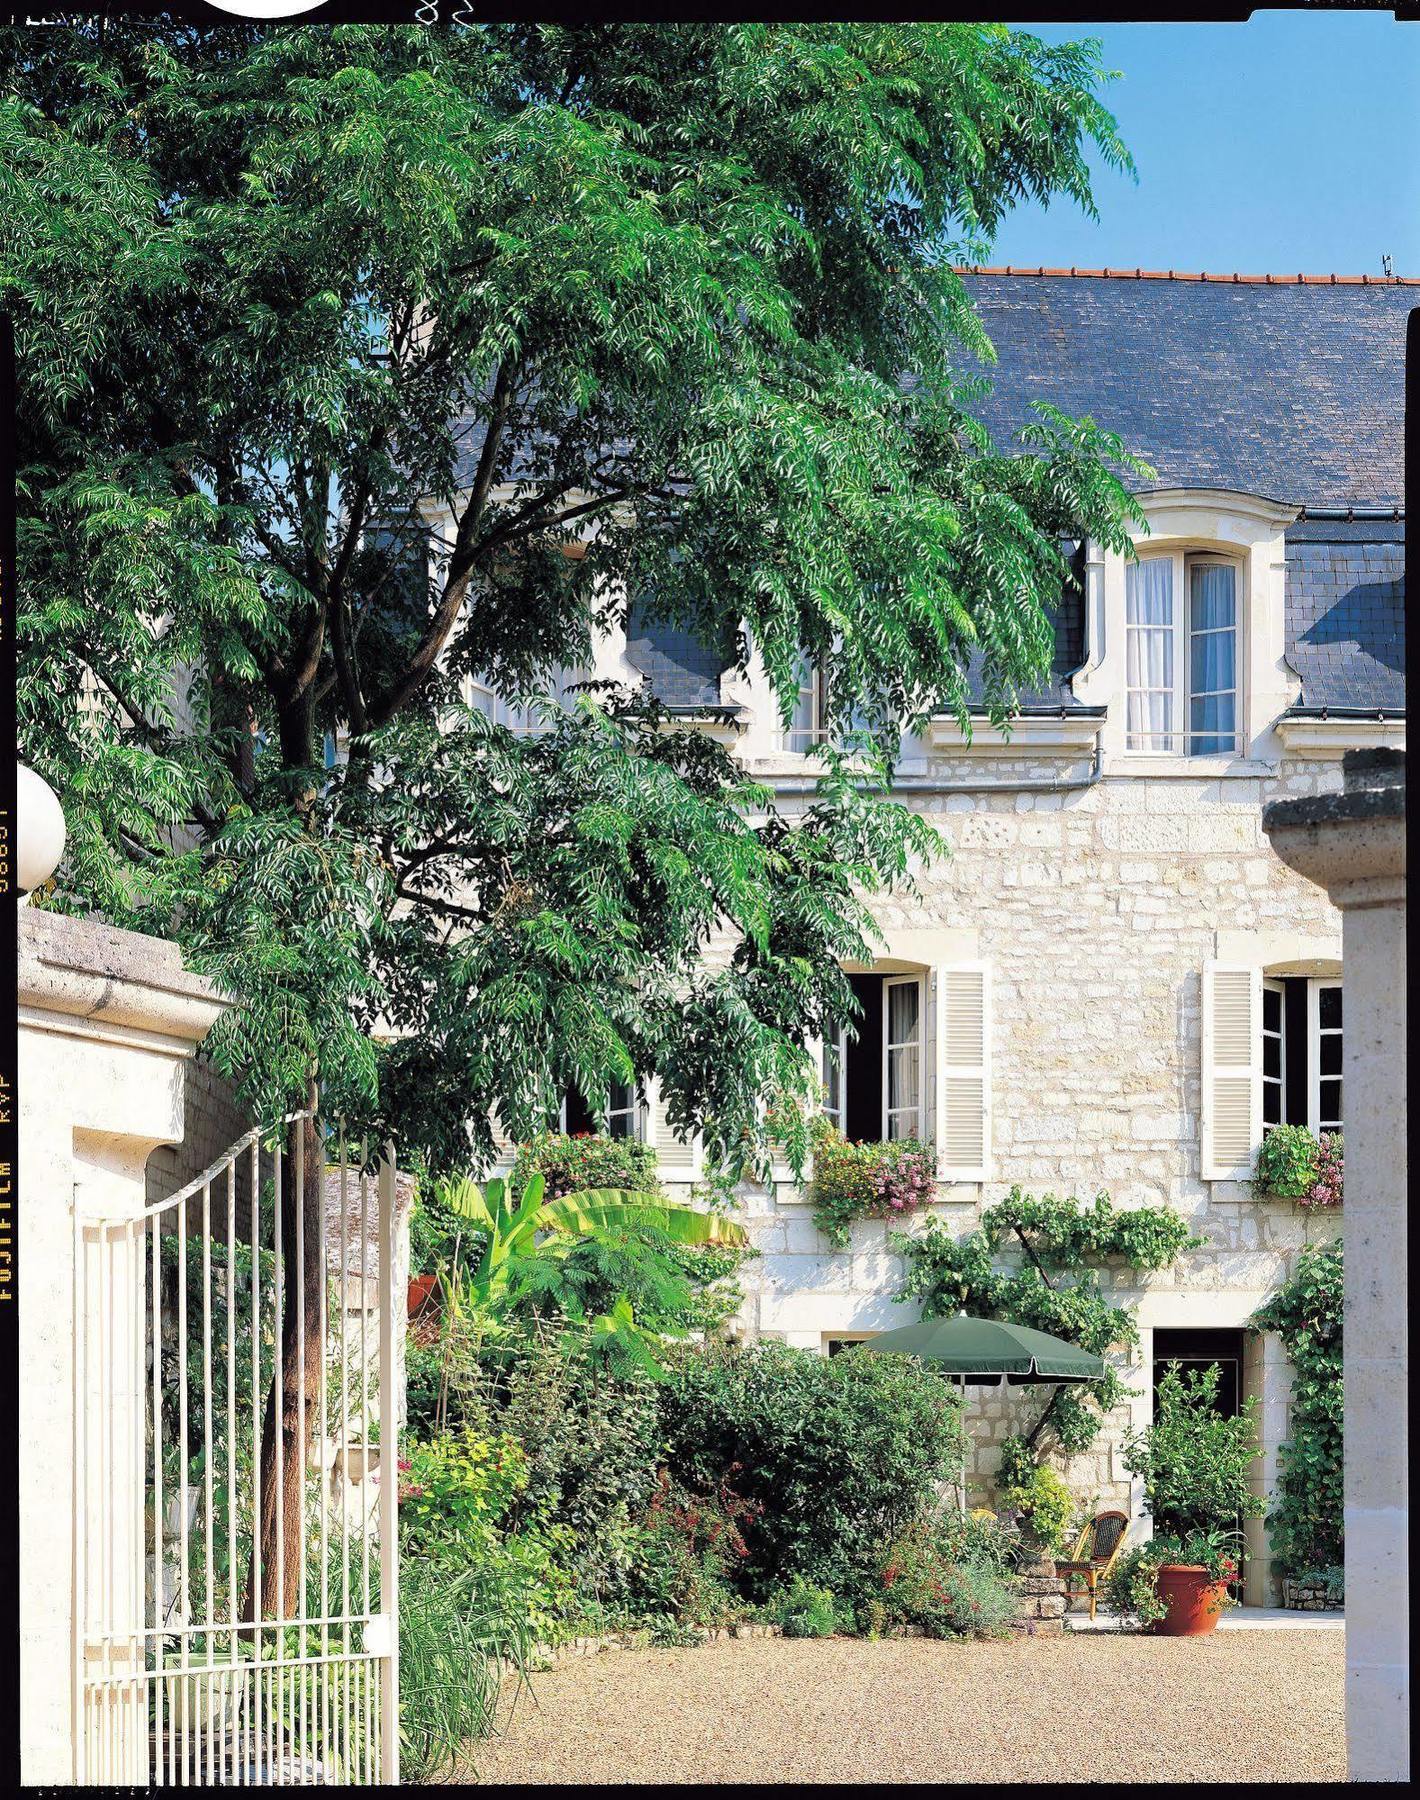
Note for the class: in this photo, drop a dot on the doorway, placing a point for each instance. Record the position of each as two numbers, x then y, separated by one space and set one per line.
1194 1349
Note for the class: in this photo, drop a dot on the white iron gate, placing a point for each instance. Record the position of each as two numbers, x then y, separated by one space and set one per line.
195 1664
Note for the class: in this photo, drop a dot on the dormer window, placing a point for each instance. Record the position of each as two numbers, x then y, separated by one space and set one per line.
1181 630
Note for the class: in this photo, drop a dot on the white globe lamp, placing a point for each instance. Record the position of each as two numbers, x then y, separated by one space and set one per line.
39 830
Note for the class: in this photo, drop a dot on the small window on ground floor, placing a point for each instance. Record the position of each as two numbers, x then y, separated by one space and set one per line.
625 1116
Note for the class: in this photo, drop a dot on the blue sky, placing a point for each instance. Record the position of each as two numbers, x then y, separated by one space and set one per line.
1290 142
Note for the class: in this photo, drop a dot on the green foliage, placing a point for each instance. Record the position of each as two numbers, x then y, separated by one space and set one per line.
1294 1164
460 1634
1195 1465
1286 1162
571 1164
920 1585
868 1181
1306 1524
686 295
1042 1503
1131 1588
686 1553
840 1452
804 1610
992 1545
948 1275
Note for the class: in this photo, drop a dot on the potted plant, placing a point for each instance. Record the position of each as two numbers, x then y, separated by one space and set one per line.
1195 1466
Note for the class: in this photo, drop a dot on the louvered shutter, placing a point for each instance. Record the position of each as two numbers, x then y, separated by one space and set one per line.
678 1160
1232 1071
961 1045
504 1149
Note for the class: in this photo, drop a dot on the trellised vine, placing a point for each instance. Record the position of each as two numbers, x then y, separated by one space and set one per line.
1057 1237
1306 1525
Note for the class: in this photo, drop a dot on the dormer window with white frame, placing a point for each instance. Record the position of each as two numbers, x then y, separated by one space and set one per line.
1183 671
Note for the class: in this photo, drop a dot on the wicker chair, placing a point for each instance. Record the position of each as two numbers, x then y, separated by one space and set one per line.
1094 1554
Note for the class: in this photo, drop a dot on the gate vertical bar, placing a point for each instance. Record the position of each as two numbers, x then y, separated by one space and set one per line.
388 1771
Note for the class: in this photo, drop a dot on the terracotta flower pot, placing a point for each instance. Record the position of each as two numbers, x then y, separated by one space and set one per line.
1194 1602
422 1289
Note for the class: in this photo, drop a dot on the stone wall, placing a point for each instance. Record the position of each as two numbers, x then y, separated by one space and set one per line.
1097 905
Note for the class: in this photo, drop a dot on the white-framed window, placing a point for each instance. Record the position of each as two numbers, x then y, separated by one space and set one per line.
1183 680
834 1074
625 1113
807 724
902 1057
528 714
1324 1102
1274 1054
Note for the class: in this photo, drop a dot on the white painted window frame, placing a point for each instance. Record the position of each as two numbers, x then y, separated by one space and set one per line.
1182 562
1315 1032
917 1043
1272 985
635 1110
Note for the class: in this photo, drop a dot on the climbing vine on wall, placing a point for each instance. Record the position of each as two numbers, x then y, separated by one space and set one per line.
1307 1522
1053 1288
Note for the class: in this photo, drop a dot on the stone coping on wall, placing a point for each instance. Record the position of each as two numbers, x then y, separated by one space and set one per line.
86 969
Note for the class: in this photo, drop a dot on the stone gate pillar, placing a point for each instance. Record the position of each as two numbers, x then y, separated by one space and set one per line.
1353 845
108 1022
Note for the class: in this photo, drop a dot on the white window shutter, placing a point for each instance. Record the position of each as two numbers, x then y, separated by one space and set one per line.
678 1160
961 1070
1232 1071
504 1149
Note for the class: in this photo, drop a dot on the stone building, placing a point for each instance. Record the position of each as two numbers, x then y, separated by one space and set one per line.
1113 983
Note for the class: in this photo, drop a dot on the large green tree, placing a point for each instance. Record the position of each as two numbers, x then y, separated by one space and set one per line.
683 293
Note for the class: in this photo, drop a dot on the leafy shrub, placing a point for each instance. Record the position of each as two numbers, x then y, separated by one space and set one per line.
453 1489
686 1551
804 1610
920 1585
1306 1524
573 1164
992 1545
434 1230
1293 1164
840 1452
1044 1507
1195 1465
867 1181
1132 1587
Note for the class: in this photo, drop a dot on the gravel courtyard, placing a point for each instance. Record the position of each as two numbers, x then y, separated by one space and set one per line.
1235 1706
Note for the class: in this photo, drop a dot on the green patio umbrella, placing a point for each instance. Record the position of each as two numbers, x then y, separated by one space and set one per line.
989 1352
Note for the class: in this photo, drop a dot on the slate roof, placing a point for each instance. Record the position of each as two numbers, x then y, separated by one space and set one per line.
1346 615
1290 390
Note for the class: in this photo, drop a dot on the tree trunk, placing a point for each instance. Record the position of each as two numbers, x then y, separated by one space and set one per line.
285 1448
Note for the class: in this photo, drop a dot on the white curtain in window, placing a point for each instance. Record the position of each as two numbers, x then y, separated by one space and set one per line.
904 1059
1149 653
1212 659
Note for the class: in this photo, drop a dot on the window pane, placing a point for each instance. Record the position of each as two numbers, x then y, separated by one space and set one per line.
1330 1106
1212 662
902 1013
903 1092
1330 1053
1272 1103
1148 591
1271 1009
1214 599
833 1083
1329 1004
1272 1057
1149 653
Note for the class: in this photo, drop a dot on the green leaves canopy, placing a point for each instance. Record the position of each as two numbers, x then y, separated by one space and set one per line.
287 296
